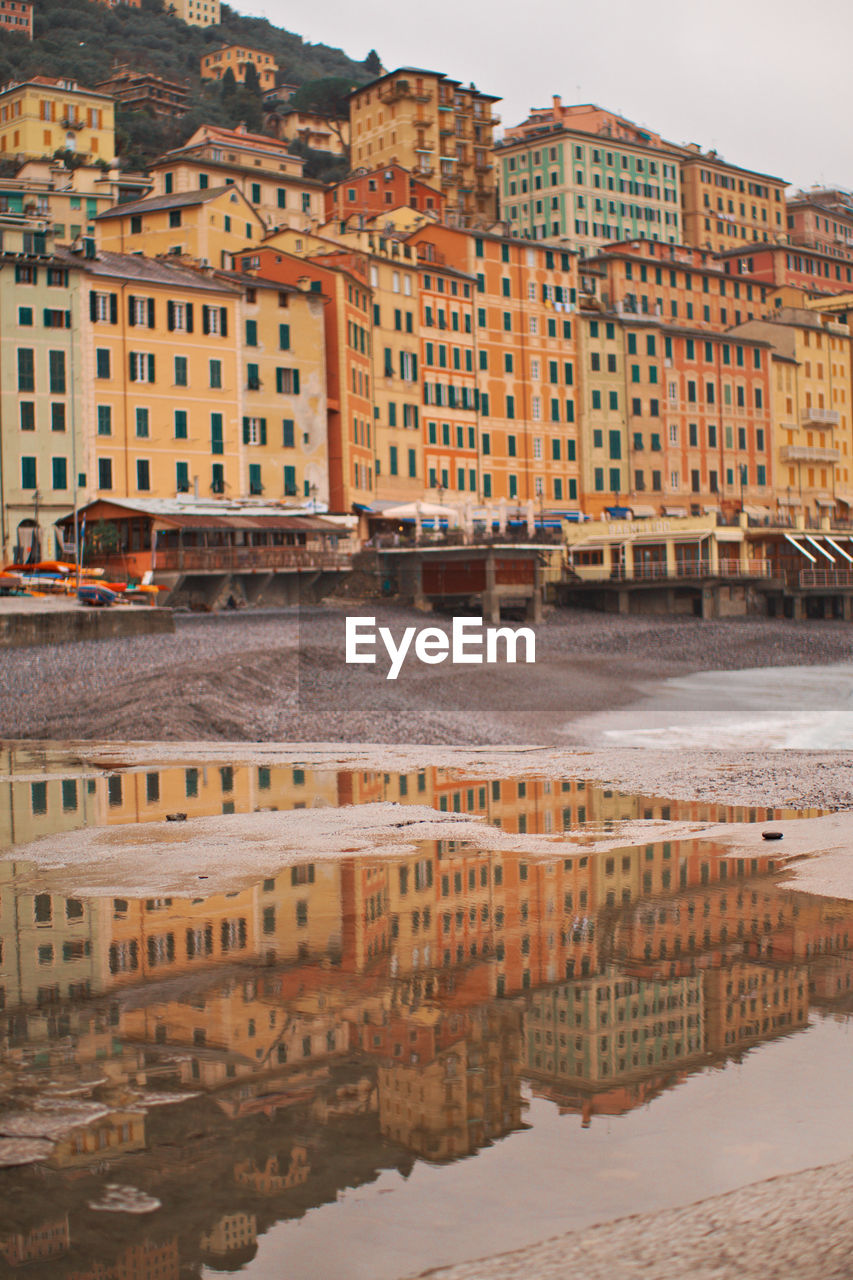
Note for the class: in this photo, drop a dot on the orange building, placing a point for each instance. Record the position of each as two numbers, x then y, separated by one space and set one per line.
525 360
723 204
16 17
236 59
822 219
587 118
777 265
376 191
341 277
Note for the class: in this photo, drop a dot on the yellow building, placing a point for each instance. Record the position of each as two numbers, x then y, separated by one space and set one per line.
812 395
206 225
160 389
235 58
437 128
262 168
69 200
44 115
282 390
197 13
321 133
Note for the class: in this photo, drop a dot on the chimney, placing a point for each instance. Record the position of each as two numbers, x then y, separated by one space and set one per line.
557 103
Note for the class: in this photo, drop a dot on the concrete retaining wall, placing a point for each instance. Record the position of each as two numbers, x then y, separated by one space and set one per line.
62 626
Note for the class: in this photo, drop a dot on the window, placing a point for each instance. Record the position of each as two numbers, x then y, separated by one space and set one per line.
60 473
28 415
143 474
141 366
215 321
57 417
28 473
105 473
287 382
180 424
142 424
56 365
181 371
26 369
216 374
102 363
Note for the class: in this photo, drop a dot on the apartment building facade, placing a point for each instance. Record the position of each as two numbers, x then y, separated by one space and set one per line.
436 127
724 205
46 114
562 184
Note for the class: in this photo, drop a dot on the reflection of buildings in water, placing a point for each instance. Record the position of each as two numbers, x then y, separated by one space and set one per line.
601 1032
831 979
50 1239
233 1240
106 1138
748 1002
449 1084
270 1180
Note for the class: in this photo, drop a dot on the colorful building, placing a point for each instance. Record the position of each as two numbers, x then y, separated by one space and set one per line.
822 219
777 265
340 276
558 183
812 404
262 168
236 58
204 225
43 449
16 18
723 204
368 195
197 13
67 199
587 118
312 128
438 128
161 380
44 115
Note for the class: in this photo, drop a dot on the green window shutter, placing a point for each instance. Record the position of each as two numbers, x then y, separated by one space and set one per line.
245 431
189 309
180 424
182 476
296 382
150 313
288 437
132 368
170 316
284 337
150 368
254 478
28 473
290 482
223 321
263 430
216 441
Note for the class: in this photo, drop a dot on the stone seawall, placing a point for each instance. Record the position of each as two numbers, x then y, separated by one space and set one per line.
19 630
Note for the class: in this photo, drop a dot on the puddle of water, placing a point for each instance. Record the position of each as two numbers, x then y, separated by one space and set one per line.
380 1063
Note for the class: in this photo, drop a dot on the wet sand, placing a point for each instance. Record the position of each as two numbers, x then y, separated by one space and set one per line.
281 676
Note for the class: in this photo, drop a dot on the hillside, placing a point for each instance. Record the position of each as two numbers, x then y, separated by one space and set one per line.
82 39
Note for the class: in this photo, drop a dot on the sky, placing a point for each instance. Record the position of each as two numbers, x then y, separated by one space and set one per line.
764 82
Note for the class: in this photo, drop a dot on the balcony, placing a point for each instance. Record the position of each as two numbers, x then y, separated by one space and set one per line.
402 89
246 559
806 453
684 568
820 417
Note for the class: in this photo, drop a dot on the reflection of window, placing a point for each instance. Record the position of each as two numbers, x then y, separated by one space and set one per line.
302 874
302 913
43 908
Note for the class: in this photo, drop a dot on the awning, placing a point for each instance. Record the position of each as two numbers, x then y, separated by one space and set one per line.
801 548
840 550
618 513
643 513
679 512
786 501
758 512
819 548
824 502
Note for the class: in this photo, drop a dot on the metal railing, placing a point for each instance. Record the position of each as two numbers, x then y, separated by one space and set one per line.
751 568
825 578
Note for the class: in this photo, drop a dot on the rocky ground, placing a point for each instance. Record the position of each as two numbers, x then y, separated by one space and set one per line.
281 675
794 1227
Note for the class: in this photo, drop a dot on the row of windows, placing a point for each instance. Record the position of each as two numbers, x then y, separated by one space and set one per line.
734 477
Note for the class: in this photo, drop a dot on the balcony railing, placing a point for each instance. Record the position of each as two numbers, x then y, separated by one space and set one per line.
820 417
808 453
825 578
751 568
240 559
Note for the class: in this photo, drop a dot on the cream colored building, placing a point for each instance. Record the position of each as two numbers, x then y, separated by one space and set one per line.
197 13
235 58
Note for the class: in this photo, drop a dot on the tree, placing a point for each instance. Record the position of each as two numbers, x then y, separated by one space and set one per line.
373 64
251 82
